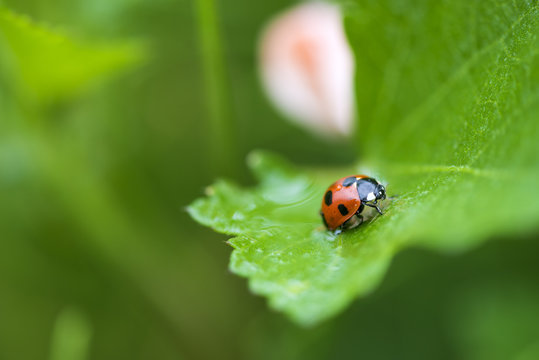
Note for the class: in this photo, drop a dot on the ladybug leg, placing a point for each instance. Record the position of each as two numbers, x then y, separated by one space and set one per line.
359 217
376 207
353 222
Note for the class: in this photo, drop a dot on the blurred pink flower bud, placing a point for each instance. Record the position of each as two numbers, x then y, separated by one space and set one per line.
307 68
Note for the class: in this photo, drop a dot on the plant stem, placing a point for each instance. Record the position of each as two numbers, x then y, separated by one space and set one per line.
222 147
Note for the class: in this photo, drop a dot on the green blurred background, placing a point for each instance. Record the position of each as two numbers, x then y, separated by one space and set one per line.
99 260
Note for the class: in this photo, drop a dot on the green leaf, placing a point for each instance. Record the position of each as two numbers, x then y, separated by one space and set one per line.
448 96
48 65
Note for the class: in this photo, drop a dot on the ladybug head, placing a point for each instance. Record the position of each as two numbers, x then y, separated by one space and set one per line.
380 192
370 189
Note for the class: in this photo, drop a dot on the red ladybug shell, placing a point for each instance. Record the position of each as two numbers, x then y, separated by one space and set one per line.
341 201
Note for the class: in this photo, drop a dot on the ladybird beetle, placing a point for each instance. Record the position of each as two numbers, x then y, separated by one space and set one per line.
346 198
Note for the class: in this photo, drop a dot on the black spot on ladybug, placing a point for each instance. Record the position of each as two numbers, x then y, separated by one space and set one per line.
343 210
349 181
324 219
328 199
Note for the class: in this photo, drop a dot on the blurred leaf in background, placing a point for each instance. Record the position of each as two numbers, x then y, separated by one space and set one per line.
71 336
51 65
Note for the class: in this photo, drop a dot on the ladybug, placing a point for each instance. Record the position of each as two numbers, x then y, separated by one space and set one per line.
346 198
